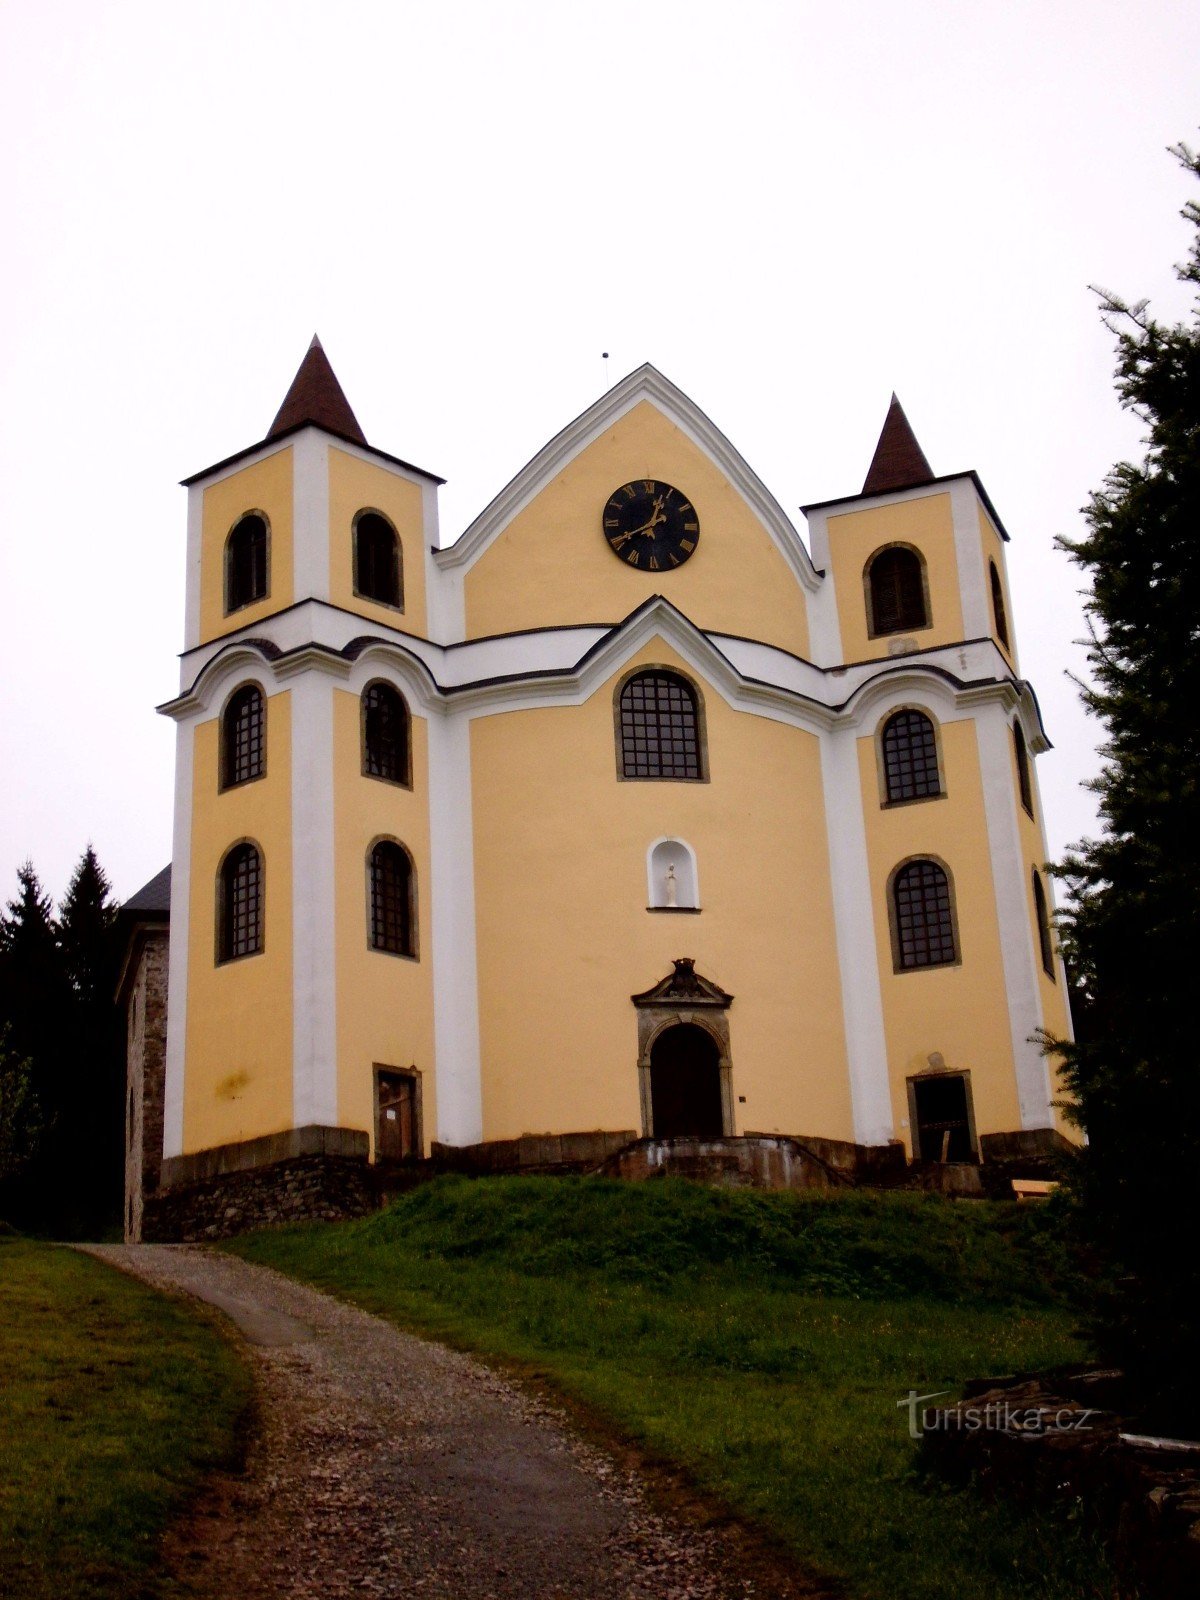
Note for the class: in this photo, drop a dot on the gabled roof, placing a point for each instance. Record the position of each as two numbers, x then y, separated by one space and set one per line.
317 397
153 898
898 462
645 383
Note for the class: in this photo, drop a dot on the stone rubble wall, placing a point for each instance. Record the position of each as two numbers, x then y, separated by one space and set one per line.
308 1188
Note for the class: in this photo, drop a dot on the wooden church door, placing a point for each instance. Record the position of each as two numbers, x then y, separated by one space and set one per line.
397 1117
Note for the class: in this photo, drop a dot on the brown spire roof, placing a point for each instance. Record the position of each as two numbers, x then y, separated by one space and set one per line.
898 462
316 396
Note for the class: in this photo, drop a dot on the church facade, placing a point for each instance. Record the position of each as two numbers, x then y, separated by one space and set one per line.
621 815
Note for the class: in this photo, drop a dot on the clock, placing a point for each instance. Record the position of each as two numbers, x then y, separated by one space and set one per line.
650 525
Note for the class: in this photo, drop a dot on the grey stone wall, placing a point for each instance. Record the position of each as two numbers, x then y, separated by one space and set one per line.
306 1188
145 1072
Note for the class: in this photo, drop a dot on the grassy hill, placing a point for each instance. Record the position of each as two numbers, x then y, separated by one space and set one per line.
761 1341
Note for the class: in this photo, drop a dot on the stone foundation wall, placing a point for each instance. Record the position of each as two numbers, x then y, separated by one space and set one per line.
306 1189
532 1153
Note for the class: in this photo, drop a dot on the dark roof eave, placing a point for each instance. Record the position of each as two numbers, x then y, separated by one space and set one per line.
946 477
286 433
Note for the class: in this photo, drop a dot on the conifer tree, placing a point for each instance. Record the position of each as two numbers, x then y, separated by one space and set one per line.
1132 921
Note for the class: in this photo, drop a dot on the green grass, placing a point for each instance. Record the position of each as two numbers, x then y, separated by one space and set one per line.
760 1340
114 1400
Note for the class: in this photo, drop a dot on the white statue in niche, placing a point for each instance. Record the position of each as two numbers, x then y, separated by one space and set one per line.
671 876
672 887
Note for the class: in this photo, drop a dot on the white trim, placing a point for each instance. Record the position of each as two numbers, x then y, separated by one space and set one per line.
1009 875
857 944
310 515
192 576
452 902
643 384
178 953
973 588
314 969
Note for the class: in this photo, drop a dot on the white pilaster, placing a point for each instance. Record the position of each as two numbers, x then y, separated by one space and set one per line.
310 514
455 974
314 987
854 924
1009 873
973 585
191 580
177 977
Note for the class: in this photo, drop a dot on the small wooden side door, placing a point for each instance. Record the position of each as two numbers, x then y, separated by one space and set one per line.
397 1117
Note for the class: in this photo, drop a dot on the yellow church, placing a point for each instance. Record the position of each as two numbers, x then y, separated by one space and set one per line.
629 825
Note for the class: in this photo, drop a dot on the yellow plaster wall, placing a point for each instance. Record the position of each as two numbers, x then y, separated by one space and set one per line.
384 1002
565 938
960 1011
552 565
993 550
354 486
238 1079
927 525
266 487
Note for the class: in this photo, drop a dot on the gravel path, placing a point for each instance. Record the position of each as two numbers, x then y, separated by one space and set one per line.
388 1466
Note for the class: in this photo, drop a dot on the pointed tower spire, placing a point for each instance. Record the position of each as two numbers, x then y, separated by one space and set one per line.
898 462
316 396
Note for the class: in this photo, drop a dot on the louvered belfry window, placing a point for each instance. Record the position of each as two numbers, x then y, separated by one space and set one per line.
246 563
659 727
1024 780
897 590
243 738
241 890
1042 910
924 917
385 734
998 610
910 758
392 908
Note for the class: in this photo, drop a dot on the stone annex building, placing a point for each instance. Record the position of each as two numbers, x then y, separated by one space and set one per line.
622 819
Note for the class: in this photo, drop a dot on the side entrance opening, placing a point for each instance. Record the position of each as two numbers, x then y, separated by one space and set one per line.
685 1084
942 1118
398 1136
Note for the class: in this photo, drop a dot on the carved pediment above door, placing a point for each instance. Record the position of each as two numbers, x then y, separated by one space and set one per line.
686 988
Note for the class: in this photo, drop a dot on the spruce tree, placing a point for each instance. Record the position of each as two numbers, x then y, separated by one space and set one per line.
1131 924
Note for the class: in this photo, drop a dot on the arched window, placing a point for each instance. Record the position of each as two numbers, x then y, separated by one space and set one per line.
671 871
240 904
1024 781
922 917
659 727
1042 912
378 566
910 757
393 899
246 566
896 591
998 611
243 737
385 734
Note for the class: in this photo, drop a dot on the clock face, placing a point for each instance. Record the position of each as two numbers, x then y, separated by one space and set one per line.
651 526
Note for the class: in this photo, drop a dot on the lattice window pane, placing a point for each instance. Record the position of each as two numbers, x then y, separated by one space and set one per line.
910 760
244 737
924 922
660 735
385 734
241 903
391 900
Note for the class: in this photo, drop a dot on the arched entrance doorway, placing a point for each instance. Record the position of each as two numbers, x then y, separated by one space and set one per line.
685 1084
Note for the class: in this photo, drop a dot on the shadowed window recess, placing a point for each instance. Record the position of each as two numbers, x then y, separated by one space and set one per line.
378 563
392 899
923 916
659 732
243 738
247 575
910 757
386 734
998 611
1024 779
240 904
896 591
1045 935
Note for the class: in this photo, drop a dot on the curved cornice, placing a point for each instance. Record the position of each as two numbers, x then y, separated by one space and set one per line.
646 383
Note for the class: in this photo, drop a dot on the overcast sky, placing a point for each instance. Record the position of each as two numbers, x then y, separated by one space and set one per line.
790 209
